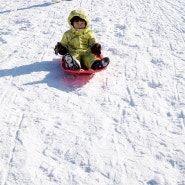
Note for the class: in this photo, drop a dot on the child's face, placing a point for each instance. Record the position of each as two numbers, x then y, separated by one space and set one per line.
80 24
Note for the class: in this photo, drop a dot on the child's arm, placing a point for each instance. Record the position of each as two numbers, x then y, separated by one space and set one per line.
95 46
60 47
92 38
64 40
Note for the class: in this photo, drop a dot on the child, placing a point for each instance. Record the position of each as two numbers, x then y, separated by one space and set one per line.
79 45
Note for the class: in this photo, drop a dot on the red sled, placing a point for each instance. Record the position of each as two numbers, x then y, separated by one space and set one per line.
82 71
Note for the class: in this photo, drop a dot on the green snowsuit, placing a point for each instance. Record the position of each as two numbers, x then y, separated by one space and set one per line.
79 42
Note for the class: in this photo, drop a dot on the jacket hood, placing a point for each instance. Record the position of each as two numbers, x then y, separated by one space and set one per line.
80 13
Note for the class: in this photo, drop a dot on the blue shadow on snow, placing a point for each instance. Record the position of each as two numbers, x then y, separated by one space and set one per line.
56 77
30 7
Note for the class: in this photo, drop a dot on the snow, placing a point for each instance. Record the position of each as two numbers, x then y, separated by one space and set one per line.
123 126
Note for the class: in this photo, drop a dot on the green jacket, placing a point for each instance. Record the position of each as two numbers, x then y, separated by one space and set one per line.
78 41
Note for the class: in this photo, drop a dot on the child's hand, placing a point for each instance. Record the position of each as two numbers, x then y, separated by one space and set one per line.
96 49
59 49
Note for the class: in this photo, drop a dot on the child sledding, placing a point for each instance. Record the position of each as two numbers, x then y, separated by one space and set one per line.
79 46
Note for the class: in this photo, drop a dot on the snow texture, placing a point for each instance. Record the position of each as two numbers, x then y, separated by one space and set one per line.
123 126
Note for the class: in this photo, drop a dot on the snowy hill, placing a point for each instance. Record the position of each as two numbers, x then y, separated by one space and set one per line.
123 126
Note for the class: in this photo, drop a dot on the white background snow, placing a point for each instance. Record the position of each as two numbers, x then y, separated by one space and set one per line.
123 126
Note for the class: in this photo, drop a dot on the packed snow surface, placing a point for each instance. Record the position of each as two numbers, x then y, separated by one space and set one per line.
123 126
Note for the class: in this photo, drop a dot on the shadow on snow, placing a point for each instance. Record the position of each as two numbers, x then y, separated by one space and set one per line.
30 7
56 77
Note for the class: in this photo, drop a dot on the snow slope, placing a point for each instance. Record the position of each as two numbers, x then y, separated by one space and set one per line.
124 126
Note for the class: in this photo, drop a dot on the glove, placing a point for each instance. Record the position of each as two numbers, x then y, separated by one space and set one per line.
59 49
56 49
96 49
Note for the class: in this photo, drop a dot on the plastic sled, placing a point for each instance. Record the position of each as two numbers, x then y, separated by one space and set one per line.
81 71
